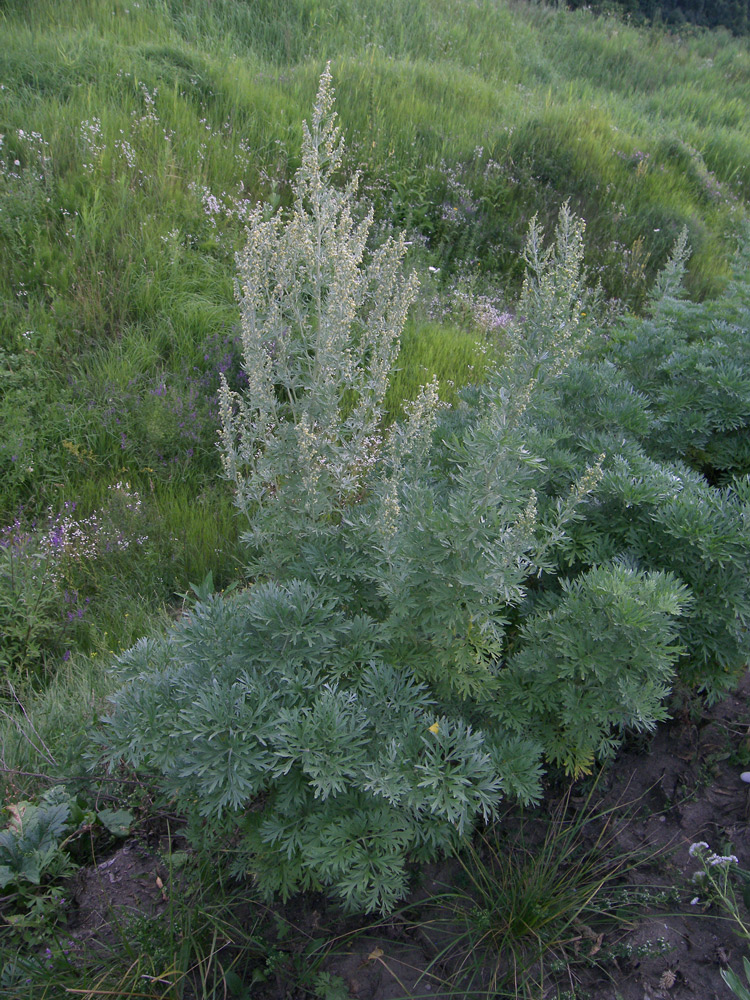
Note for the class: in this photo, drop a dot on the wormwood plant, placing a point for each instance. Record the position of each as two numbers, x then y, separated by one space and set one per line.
321 321
693 359
666 396
410 650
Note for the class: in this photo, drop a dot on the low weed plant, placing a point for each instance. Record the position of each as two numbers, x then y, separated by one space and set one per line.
718 881
35 856
208 939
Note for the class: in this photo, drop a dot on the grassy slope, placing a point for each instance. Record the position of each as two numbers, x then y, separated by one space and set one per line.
116 265
116 268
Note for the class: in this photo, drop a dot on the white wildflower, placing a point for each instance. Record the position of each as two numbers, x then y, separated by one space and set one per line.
722 860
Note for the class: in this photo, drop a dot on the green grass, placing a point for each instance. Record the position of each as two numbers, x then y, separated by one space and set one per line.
547 895
458 358
48 734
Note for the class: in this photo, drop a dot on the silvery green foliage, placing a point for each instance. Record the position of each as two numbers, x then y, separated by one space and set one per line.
555 304
460 537
734 982
667 397
693 362
412 649
321 317
278 708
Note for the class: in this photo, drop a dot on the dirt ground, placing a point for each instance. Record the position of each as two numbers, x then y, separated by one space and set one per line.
677 787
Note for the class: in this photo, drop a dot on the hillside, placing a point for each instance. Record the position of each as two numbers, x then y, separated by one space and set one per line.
535 553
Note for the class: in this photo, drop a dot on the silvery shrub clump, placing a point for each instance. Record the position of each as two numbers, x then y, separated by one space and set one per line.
423 632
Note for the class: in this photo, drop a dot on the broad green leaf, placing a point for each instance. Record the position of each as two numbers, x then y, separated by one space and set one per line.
7 875
44 832
117 821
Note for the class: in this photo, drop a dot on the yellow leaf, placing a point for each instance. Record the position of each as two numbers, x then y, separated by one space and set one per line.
434 728
596 945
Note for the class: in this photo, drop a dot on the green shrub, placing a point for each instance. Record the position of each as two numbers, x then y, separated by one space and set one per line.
692 361
408 653
666 398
